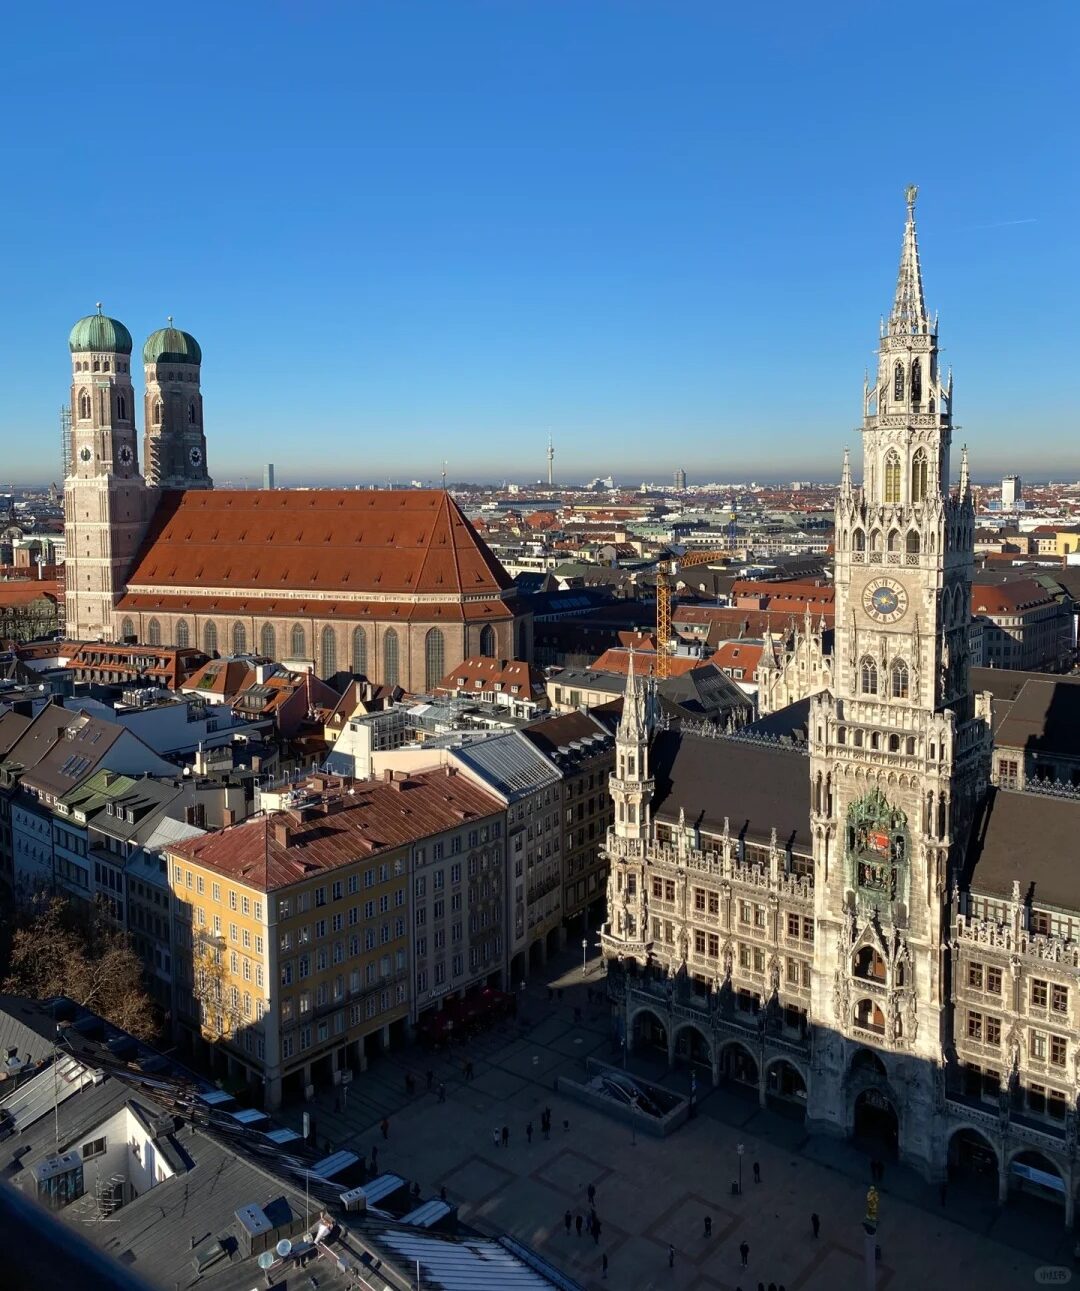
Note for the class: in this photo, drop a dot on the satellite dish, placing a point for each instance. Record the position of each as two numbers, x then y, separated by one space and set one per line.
283 1247
266 1259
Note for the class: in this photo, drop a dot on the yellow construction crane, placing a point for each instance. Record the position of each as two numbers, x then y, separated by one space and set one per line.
663 602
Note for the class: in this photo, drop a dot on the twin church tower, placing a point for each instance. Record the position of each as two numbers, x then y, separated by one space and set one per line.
108 502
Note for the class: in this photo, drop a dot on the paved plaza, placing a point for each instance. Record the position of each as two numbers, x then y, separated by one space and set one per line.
652 1193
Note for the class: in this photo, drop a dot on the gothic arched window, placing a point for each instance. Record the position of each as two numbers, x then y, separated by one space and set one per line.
127 630
898 382
192 414
84 405
868 676
239 638
892 478
183 635
121 408
153 632
875 540
919 475
268 641
894 539
434 658
899 679
298 642
328 649
912 542
487 641
858 540
930 407
391 672
157 412
359 651
210 639
916 381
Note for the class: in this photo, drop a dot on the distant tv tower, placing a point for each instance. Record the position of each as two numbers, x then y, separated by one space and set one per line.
551 463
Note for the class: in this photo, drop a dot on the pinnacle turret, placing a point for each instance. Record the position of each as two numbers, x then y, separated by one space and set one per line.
908 315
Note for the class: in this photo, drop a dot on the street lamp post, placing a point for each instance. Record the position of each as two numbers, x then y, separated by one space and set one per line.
584 952
740 1150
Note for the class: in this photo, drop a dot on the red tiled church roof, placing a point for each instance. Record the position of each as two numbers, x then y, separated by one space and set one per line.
326 542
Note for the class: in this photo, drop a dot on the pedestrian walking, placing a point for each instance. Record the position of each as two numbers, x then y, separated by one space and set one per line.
528 1133
708 1225
596 1231
744 1253
670 1256
757 1172
430 1079
815 1223
772 1286
603 1266
495 1136
578 1224
506 1136
568 1219
592 1194
385 1127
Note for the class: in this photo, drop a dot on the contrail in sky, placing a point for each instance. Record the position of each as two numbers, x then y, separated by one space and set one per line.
1001 224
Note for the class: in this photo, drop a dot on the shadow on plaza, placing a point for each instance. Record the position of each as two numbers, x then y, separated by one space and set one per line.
1006 1172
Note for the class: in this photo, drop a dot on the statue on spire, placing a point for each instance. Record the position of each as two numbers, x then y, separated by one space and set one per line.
910 194
908 315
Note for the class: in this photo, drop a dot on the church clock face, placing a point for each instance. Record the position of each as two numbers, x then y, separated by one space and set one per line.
885 601
85 454
126 455
195 456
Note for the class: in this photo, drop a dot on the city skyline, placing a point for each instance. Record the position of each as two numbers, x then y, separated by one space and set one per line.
395 267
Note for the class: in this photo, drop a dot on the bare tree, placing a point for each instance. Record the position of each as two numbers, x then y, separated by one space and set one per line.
55 952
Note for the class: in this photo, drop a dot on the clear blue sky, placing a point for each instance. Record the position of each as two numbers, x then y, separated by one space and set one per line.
664 232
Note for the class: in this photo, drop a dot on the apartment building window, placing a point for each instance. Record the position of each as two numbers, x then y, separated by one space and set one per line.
369 878
455 872
217 925
304 966
437 880
759 961
699 943
714 946
354 916
658 889
354 884
1009 774
369 938
1037 1045
199 886
421 916
993 981
993 1030
793 972
384 903
699 899
744 956
421 981
399 896
245 905
320 928
759 916
258 945
258 911
975 976
286 973
338 921
233 932
1059 998
1058 1050
284 908
975 1026
1038 994
320 896
807 929
337 890
420 887
440 974
714 898
793 924
258 974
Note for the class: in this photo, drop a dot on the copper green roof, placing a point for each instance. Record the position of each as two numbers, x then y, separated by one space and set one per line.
170 345
100 333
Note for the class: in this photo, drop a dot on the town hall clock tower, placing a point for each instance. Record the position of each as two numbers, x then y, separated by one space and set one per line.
896 746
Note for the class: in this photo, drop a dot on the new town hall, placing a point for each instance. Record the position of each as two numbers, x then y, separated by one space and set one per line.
851 918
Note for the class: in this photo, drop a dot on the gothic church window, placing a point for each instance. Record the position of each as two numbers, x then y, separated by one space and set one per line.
84 404
153 632
157 412
898 382
268 641
210 639
487 641
121 408
916 381
239 639
391 668
192 414
894 539
434 658
359 651
183 635
127 630
919 469
298 642
875 540
858 540
899 679
868 676
329 652
912 544
892 479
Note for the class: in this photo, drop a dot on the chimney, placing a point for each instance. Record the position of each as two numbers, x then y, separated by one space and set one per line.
387 775
282 833
228 817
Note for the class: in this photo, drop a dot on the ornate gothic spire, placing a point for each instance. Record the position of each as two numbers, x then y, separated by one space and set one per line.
965 479
909 309
632 724
845 474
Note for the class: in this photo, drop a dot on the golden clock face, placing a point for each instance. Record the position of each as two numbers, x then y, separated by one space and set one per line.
885 601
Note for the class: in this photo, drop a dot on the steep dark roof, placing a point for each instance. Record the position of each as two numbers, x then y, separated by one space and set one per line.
756 786
1044 718
1030 838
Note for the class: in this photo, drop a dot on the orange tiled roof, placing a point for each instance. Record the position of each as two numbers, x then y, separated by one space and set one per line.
618 660
332 541
364 818
480 673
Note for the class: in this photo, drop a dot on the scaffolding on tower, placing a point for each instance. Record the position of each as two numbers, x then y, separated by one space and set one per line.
65 441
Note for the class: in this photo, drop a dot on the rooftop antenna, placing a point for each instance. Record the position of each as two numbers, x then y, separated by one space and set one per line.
550 460
444 476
